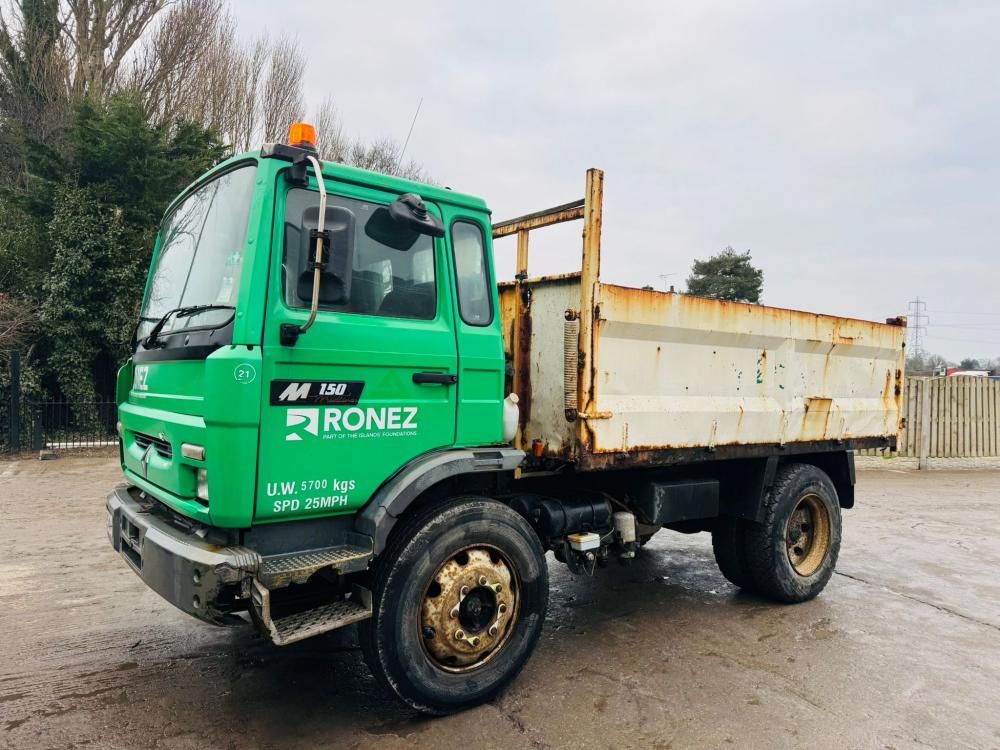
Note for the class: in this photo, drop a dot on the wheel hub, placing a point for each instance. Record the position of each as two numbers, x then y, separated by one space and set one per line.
469 609
807 535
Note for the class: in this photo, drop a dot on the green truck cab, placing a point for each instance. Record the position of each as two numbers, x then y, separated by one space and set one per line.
319 427
249 461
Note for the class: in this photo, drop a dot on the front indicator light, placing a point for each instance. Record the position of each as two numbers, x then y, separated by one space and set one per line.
203 484
195 452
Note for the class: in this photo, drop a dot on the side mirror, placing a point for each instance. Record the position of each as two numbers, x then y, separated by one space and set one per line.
405 219
410 211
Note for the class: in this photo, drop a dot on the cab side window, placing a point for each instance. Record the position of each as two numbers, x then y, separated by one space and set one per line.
475 303
371 269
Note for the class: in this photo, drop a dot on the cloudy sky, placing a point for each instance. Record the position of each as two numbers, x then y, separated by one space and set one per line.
852 147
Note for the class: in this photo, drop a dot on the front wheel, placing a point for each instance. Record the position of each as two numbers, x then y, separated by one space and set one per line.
457 606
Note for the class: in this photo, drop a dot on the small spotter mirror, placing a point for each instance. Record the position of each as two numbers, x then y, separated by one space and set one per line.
405 219
410 211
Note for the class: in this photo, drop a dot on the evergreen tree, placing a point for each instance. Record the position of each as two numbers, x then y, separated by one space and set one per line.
728 275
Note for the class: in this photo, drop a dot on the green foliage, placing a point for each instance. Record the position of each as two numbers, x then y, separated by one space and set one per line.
728 275
970 364
77 230
130 163
81 293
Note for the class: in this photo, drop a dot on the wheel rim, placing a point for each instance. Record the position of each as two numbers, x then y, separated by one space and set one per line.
470 608
807 535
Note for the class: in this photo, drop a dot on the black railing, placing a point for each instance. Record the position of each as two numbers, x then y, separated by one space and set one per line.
53 425
59 425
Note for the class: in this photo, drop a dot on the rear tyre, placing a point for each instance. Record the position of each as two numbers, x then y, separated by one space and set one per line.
458 601
791 554
728 544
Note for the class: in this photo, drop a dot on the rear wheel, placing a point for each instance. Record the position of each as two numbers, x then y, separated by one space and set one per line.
790 556
457 607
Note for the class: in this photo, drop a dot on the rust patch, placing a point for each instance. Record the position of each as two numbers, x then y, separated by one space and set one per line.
647 303
816 417
522 358
648 456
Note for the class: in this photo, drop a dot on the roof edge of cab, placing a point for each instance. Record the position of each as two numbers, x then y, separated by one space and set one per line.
353 175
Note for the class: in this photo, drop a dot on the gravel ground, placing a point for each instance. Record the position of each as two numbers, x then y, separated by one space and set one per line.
902 649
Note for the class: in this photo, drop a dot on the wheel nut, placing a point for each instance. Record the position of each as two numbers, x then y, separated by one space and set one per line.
429 633
482 580
459 635
497 588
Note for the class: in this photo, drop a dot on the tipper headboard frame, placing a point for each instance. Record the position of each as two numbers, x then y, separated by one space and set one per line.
589 208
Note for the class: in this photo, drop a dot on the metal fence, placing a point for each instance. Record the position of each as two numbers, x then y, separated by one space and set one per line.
52 425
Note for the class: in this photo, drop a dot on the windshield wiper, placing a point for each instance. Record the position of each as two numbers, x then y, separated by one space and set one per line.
179 312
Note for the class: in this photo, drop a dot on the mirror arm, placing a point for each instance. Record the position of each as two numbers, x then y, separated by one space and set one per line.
290 332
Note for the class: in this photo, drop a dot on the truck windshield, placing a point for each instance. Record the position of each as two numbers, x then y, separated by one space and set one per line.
201 255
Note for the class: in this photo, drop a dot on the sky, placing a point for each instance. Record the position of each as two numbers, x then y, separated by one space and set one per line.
852 147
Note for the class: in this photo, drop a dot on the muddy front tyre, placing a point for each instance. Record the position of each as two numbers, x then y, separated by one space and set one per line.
790 556
459 597
729 545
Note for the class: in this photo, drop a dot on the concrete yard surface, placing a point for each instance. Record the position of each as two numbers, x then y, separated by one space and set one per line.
902 650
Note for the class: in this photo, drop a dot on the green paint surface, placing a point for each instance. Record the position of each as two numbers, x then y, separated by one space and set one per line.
268 463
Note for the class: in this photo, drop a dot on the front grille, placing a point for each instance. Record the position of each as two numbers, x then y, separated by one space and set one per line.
160 446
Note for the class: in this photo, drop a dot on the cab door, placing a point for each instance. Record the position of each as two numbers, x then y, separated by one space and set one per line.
372 384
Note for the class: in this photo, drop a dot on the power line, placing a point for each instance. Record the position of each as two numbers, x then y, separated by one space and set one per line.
973 341
970 312
974 327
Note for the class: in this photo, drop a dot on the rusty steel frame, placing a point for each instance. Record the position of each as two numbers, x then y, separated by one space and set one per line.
590 272
546 217
608 431
590 210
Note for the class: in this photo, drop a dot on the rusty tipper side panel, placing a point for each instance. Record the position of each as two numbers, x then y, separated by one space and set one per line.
613 377
672 374
673 371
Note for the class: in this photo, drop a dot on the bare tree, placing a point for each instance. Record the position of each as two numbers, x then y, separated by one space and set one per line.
169 67
99 35
283 88
332 144
182 57
33 70
384 155
249 68
18 322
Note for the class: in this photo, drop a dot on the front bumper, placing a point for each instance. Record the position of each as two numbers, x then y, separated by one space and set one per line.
179 560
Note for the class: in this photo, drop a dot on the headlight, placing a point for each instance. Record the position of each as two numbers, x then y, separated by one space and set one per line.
203 484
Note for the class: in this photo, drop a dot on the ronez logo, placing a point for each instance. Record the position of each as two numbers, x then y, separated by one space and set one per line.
308 418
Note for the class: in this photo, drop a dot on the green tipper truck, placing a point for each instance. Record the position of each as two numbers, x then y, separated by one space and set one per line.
334 415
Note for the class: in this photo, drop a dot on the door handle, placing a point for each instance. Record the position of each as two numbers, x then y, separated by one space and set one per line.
434 378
